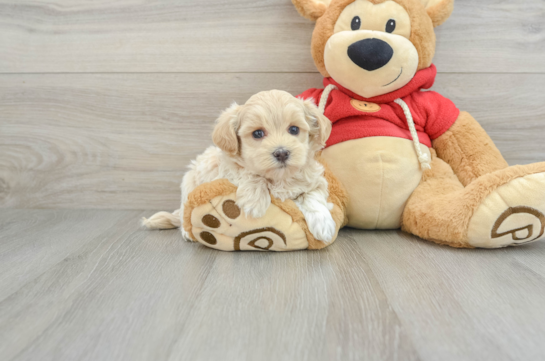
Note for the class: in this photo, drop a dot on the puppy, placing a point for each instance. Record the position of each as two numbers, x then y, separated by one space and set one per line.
267 145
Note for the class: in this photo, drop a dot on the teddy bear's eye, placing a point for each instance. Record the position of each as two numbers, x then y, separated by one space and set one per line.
356 23
258 134
390 26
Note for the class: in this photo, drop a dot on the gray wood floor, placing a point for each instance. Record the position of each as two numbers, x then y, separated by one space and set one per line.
91 285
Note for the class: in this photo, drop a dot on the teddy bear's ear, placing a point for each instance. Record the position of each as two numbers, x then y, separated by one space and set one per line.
438 10
311 9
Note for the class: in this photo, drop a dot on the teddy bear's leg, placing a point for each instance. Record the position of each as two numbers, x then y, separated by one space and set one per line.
217 222
502 208
212 218
469 150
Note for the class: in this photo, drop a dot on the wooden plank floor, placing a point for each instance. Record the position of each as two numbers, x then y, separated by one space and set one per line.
92 285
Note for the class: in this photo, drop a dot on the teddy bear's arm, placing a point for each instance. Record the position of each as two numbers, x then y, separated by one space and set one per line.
469 150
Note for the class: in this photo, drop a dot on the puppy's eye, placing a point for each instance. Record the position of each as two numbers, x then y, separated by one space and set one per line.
356 23
293 130
258 134
390 26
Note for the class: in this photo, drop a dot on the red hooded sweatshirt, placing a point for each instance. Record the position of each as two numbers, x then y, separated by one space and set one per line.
355 117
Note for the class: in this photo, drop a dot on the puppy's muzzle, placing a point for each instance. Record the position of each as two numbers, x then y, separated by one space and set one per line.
370 54
281 155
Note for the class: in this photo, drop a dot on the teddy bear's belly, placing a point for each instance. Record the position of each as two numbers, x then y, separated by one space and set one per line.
379 174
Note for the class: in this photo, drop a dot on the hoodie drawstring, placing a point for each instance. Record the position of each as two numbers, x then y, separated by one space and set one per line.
325 95
423 158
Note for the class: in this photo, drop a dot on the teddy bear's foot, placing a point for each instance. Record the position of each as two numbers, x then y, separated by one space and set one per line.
220 224
498 209
212 218
512 215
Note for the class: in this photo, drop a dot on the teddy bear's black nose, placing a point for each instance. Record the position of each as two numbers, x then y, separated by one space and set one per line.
370 54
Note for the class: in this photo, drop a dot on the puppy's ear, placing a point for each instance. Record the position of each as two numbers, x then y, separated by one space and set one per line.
311 9
225 132
320 126
438 10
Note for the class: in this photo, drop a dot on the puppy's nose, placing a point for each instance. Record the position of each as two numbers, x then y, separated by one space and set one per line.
281 154
370 54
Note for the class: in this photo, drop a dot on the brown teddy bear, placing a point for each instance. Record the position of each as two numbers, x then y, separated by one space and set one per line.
398 156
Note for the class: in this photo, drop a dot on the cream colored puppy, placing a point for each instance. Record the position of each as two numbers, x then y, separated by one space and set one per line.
267 145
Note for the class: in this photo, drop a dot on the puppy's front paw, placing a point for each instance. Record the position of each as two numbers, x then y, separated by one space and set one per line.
321 225
186 236
254 207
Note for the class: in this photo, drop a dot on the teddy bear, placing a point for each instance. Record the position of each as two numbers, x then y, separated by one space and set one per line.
399 155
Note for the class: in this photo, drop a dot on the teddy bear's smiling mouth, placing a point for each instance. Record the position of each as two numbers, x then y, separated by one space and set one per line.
401 72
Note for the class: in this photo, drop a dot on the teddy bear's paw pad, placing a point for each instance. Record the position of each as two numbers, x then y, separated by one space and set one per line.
514 214
222 225
261 239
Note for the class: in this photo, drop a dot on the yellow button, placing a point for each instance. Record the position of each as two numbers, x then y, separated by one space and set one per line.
365 107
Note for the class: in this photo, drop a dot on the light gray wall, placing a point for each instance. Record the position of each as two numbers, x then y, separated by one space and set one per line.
102 104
